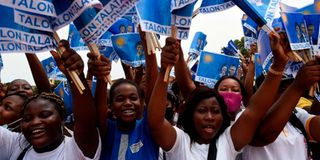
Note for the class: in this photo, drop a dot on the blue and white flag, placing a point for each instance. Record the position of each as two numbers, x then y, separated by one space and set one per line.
15 47
213 66
52 69
296 30
233 47
249 23
249 37
129 48
211 6
287 8
198 43
93 25
63 90
75 39
257 65
262 12
12 30
106 48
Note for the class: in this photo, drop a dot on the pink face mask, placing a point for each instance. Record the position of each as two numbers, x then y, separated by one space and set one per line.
233 100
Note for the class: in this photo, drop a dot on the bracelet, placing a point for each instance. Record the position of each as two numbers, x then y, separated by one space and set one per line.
278 73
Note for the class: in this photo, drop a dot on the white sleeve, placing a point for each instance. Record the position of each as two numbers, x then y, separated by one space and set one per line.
303 116
178 150
9 143
225 146
75 151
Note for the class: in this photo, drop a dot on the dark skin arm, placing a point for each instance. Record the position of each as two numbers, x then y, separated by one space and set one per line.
162 131
38 73
100 69
282 109
85 131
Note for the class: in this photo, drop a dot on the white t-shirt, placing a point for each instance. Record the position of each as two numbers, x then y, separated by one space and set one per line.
12 144
182 149
289 145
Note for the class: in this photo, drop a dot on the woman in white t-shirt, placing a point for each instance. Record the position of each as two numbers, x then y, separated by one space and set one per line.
207 132
284 132
42 124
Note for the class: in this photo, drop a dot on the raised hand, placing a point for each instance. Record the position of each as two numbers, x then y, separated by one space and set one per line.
308 75
99 68
170 53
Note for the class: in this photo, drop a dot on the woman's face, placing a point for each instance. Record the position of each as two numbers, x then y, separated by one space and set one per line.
42 124
229 85
21 87
126 103
10 109
207 119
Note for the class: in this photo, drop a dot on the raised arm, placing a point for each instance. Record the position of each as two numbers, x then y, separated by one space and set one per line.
38 73
85 131
183 76
282 109
243 131
100 69
162 131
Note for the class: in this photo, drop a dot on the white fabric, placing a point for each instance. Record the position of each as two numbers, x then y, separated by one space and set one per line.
289 145
182 149
12 144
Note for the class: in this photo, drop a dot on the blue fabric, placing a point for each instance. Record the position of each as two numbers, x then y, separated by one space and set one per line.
110 147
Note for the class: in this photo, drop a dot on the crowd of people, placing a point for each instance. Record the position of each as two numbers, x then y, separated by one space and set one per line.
144 117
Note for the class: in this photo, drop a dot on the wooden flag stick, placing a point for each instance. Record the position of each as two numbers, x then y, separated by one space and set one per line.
74 76
169 67
94 49
149 43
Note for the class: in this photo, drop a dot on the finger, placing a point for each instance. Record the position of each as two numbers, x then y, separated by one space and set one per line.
56 57
170 41
91 55
67 53
64 43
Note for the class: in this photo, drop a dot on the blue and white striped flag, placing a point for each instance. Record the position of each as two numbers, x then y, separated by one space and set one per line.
213 66
211 6
129 48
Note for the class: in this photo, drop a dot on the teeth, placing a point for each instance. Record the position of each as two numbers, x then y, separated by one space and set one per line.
128 112
37 131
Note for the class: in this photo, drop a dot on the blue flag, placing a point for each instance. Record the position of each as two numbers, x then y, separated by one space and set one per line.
257 65
287 8
296 30
75 39
262 12
63 90
249 23
198 43
313 22
93 25
213 66
233 47
129 48
52 69
264 48
250 36
211 6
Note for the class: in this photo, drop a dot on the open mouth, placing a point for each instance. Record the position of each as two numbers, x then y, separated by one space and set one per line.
208 129
128 112
36 133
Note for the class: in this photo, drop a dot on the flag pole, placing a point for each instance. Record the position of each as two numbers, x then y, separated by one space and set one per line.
74 76
174 35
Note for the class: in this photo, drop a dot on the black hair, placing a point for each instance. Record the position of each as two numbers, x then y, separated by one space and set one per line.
243 90
197 95
55 99
120 82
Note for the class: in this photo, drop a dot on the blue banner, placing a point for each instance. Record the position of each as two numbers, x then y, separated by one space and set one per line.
233 47
211 6
129 48
198 43
15 47
93 25
249 23
213 66
63 90
262 12
296 30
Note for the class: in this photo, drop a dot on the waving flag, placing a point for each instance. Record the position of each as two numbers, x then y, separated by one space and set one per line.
249 23
213 66
250 33
93 25
75 39
296 30
211 6
123 25
262 12
129 48
198 43
52 69
257 65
